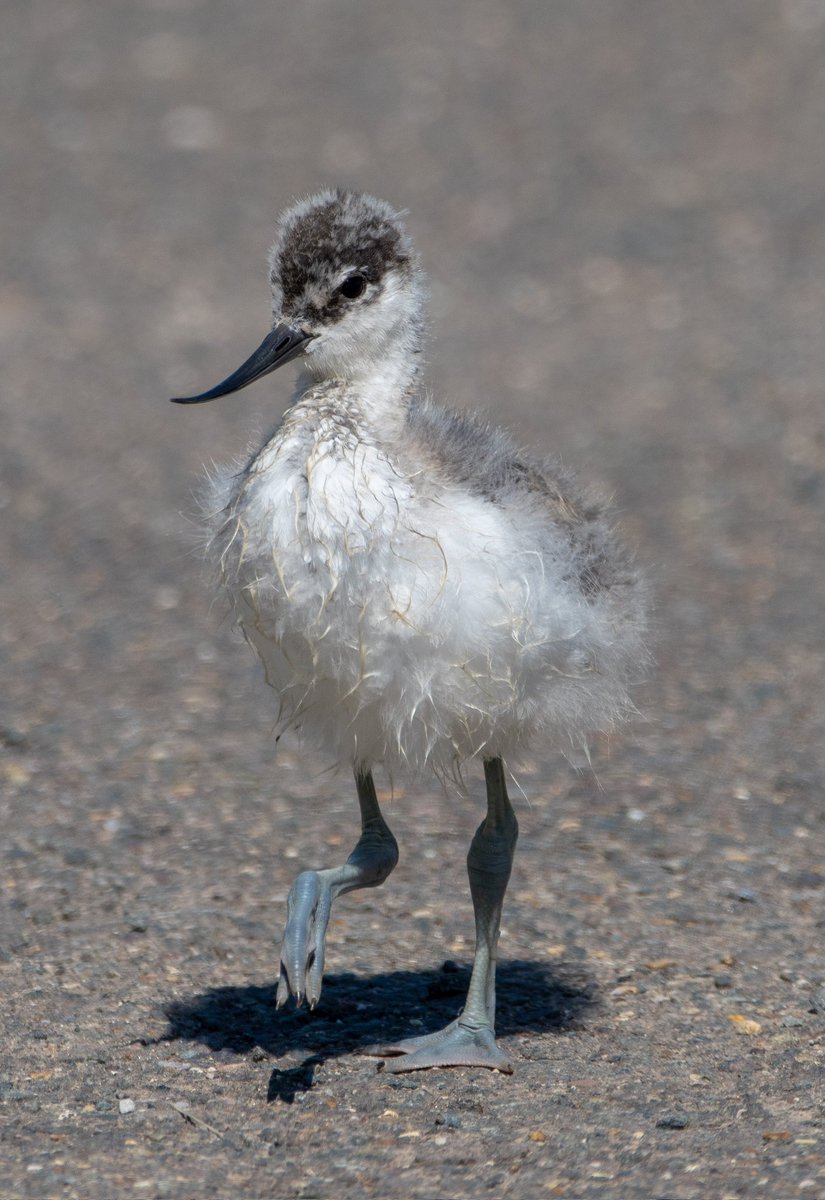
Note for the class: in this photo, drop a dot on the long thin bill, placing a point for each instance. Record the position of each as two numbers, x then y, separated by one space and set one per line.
277 348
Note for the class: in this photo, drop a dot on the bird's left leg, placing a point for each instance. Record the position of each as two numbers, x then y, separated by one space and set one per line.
310 898
470 1040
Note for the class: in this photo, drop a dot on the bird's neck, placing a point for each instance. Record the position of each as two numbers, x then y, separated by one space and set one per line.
383 387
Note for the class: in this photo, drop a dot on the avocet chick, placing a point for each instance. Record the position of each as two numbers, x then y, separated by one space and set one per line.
421 592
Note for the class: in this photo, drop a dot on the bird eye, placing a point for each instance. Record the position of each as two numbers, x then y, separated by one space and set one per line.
353 286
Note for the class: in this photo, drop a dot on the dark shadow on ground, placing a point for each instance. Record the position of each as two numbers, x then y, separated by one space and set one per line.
357 1010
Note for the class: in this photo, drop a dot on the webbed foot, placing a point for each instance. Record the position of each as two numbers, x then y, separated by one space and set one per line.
455 1046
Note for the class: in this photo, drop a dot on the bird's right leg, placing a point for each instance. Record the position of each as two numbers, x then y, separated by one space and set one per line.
310 899
470 1040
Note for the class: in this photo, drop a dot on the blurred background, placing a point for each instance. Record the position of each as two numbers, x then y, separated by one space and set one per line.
621 208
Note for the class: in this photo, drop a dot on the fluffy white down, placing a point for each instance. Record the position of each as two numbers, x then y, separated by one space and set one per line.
402 617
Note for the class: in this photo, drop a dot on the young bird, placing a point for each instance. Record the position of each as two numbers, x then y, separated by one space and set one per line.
420 592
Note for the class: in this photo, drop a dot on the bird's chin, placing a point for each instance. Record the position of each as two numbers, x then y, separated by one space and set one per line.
325 361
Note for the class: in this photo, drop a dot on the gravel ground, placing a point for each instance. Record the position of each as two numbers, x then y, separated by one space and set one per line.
621 208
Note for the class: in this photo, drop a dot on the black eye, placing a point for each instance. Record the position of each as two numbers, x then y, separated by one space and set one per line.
353 286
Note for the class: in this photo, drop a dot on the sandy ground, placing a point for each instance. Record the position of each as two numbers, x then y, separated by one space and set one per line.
621 208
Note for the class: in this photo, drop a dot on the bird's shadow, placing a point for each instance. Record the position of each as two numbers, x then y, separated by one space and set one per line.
356 1011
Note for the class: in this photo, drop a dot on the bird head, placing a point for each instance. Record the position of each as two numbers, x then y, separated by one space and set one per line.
347 292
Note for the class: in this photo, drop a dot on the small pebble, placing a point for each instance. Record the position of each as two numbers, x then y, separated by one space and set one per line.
449 1119
12 737
808 879
723 981
673 1121
126 1106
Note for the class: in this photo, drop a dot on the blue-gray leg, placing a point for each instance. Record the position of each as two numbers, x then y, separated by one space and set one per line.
310 899
470 1041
